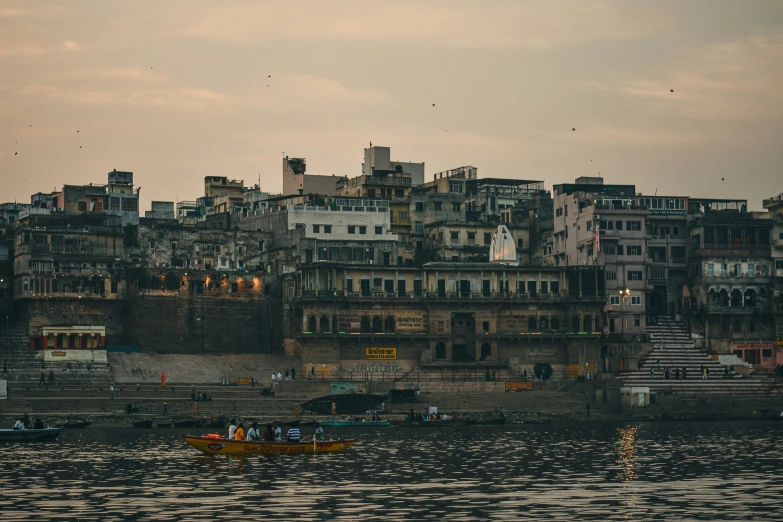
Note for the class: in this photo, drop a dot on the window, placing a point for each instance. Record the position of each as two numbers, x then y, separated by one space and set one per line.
634 250
152 245
636 300
472 238
634 225
114 287
520 243
724 269
487 238
619 250
752 329
454 236
619 225
419 226
634 275
589 225
678 254
316 229
378 231
261 246
614 299
327 229
419 205
174 246
610 250
351 229
83 206
438 205
558 212
779 264
566 210
485 326
611 275
455 188
362 230
675 231
455 207
738 270
751 270
710 269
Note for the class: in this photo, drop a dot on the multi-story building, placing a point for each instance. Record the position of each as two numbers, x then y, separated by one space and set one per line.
775 208
730 277
297 182
447 315
117 198
598 224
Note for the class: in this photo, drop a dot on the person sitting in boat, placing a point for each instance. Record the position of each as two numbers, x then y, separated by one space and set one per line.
19 425
294 435
240 433
269 433
232 428
278 432
254 433
38 424
319 431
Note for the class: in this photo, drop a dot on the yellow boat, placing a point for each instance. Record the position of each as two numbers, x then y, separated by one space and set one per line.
212 445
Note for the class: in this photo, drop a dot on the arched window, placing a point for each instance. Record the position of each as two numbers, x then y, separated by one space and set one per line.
364 282
365 325
452 288
324 324
389 324
575 324
440 351
544 324
736 298
486 286
554 285
486 351
723 297
532 286
544 286
521 285
311 324
531 325
348 283
712 297
588 323
377 324
474 286
750 297
555 323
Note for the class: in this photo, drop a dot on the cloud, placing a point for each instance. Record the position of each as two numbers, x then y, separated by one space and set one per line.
736 80
39 50
452 24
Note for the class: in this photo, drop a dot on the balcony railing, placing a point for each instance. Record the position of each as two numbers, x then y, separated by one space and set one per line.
734 246
384 180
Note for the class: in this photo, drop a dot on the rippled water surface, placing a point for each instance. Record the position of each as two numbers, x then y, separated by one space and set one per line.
687 471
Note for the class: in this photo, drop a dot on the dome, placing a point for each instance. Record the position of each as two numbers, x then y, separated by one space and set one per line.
502 249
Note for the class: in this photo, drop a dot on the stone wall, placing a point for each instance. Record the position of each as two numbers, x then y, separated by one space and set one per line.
200 325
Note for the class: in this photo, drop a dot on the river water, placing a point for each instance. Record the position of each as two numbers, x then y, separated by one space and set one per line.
574 471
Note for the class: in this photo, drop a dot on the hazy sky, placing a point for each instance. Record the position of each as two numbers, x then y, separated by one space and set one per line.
177 90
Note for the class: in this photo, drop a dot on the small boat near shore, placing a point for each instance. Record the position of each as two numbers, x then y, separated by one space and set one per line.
216 445
30 435
144 424
77 425
344 403
354 424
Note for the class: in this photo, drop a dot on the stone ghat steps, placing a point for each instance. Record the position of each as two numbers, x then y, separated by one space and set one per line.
124 390
512 402
181 408
735 388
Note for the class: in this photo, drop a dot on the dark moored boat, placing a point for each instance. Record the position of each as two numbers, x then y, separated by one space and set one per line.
187 423
147 423
487 422
344 403
30 435
437 423
215 422
165 425
79 425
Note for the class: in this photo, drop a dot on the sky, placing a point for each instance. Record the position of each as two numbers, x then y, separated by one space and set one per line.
678 98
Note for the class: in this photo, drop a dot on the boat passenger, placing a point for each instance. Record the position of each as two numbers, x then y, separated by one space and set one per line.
232 428
240 433
269 433
294 435
254 433
19 425
38 424
278 432
279 376
319 431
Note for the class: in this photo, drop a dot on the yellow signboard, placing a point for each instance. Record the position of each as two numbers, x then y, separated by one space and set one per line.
780 342
381 353
244 381
409 322
519 385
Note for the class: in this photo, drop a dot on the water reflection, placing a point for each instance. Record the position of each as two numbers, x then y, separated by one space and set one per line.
707 471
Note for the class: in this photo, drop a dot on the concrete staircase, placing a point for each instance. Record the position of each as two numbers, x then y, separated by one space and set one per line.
679 351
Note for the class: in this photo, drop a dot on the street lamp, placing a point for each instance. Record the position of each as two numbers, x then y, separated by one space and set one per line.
624 294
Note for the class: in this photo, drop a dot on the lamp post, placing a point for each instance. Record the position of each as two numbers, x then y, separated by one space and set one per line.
624 294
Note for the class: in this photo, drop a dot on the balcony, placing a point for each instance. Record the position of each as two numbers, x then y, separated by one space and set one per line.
401 221
719 308
732 246
68 250
387 180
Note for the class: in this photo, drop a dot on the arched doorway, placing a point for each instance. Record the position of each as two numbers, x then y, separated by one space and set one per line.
587 324
324 324
440 351
365 325
377 324
459 350
736 298
555 323
544 324
311 324
723 297
486 351
532 325
750 297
